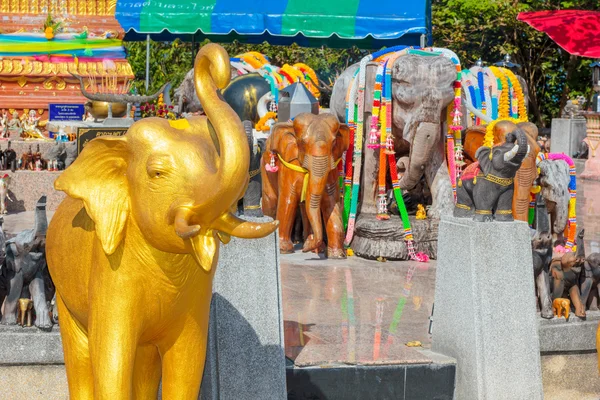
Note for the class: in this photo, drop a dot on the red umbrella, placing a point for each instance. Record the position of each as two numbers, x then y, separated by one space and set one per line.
578 32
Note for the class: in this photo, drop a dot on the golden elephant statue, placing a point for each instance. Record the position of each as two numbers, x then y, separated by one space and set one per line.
527 173
132 249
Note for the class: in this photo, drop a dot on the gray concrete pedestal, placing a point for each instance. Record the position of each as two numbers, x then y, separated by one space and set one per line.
566 135
485 313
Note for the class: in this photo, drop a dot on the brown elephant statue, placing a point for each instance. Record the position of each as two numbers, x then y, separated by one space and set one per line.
306 153
527 173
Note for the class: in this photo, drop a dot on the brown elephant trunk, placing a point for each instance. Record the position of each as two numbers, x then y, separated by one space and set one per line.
425 138
319 167
212 71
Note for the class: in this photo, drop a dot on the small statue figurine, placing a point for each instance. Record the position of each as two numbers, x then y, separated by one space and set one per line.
30 126
15 124
61 135
561 307
4 123
421 213
4 193
573 108
9 158
39 162
27 161
25 311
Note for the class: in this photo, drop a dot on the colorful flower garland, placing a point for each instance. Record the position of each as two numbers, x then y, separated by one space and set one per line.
571 228
503 106
351 110
358 97
278 78
261 124
518 92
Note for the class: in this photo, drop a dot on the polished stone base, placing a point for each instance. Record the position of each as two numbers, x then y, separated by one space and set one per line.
434 380
485 313
374 238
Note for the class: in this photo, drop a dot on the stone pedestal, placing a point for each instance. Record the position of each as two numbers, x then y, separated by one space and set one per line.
592 165
485 312
245 357
374 238
567 134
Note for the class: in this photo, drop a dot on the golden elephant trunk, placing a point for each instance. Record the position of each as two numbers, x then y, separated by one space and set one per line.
212 72
203 241
232 225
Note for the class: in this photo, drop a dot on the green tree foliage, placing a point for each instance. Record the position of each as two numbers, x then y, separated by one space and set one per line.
488 29
171 61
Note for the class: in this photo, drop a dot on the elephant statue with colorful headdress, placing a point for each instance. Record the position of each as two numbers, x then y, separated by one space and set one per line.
485 190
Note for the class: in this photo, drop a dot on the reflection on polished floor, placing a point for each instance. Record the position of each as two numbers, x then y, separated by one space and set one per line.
353 311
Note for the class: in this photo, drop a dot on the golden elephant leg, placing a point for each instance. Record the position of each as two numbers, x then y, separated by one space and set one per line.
77 355
189 350
113 345
146 373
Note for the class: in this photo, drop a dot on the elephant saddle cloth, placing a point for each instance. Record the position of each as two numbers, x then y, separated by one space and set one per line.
471 171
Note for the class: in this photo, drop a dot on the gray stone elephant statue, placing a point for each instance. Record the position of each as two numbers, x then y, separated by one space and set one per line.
485 189
25 272
422 88
554 182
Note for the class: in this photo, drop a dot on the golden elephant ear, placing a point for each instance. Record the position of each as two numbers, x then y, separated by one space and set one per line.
98 177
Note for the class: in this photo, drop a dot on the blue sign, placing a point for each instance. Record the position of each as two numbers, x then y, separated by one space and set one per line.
66 112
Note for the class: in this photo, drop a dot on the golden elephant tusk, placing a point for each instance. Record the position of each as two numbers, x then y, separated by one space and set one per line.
234 226
182 227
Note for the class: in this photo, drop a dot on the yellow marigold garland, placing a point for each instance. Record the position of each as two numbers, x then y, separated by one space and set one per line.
518 90
503 111
251 60
260 125
308 71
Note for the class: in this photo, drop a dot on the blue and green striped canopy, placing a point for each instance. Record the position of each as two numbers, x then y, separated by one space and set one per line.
281 21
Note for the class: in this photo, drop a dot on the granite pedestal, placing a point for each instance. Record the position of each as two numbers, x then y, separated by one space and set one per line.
245 357
485 312
567 134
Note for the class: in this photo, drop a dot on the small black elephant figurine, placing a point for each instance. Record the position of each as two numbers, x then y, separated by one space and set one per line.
485 188
250 204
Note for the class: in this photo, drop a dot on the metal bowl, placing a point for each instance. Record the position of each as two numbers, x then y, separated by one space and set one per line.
99 109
